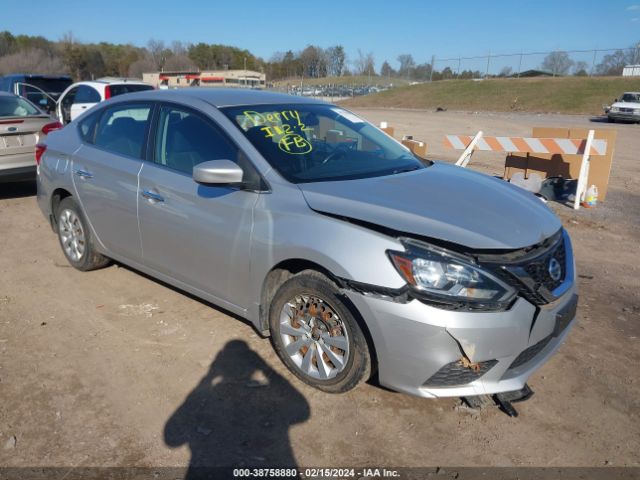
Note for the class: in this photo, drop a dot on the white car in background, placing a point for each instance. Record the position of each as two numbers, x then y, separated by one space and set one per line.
81 96
625 109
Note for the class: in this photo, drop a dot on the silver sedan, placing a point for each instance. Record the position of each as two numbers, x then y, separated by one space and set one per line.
328 235
22 127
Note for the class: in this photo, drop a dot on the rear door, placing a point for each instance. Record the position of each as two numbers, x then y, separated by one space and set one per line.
197 234
85 98
105 173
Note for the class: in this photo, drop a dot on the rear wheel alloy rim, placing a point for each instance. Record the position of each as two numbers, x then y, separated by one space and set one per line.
314 337
71 235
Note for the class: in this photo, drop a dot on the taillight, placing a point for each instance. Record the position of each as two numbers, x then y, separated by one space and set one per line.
50 127
40 149
107 92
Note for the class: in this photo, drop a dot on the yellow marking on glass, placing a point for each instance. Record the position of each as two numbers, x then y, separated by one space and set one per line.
294 144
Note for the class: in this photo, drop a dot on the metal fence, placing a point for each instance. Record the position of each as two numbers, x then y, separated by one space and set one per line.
568 62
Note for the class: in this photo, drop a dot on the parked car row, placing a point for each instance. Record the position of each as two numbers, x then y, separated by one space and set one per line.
328 235
334 90
59 96
31 106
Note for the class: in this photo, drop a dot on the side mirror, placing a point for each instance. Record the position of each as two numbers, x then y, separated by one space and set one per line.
217 172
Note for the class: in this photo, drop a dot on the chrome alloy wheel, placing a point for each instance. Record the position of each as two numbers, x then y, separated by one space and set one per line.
314 337
71 234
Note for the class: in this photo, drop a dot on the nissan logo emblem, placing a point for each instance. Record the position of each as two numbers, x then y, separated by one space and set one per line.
555 269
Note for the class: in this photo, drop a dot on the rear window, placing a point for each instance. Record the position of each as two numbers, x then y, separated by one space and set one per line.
49 85
16 107
127 88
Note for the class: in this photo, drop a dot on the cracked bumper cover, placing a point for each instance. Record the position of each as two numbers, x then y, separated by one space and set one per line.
413 341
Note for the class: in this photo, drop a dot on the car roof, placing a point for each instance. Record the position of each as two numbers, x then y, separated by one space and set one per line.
110 81
221 97
7 94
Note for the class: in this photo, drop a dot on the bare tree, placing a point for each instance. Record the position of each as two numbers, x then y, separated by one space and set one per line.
580 68
142 65
406 64
558 63
33 61
179 62
156 50
364 64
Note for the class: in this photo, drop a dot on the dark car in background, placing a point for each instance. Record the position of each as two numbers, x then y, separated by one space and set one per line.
42 90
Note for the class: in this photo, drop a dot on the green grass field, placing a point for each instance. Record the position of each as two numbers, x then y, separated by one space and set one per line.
579 95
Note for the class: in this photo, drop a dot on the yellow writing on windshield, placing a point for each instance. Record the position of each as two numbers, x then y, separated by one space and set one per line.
294 144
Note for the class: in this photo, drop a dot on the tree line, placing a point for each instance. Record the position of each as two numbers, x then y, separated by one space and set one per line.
84 61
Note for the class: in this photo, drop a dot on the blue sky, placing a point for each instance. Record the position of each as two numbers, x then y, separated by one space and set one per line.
386 28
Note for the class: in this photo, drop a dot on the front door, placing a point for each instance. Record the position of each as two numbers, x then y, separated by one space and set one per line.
105 174
197 234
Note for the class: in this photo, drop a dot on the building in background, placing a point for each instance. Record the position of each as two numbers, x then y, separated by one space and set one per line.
208 78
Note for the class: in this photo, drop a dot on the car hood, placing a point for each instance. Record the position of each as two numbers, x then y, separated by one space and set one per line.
626 105
444 202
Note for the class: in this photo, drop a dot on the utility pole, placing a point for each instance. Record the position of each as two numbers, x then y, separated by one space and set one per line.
488 63
433 65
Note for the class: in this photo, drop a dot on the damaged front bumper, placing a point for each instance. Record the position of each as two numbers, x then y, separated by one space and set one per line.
431 352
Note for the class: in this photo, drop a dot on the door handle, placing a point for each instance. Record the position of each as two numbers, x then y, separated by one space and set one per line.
83 173
154 197
83 107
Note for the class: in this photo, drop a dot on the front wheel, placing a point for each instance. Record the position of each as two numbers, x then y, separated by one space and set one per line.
316 335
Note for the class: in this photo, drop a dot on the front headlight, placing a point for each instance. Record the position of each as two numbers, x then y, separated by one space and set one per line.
636 111
447 278
615 109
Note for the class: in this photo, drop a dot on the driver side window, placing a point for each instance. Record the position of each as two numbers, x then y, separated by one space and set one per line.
184 139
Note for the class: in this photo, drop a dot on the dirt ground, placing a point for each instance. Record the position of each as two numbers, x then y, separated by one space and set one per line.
112 368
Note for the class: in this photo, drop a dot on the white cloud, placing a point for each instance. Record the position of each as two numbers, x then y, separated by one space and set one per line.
633 7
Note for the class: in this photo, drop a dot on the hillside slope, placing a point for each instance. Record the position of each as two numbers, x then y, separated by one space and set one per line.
580 95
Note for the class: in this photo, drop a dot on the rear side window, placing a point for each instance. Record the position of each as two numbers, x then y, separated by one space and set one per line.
87 127
87 94
127 88
122 129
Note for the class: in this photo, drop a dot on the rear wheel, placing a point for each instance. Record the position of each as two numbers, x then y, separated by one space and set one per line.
75 237
317 336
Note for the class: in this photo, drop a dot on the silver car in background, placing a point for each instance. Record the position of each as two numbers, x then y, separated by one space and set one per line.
22 127
328 235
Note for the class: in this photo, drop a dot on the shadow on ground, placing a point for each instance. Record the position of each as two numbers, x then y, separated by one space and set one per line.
238 415
17 190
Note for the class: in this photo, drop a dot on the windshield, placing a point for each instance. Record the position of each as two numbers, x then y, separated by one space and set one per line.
630 97
317 143
11 106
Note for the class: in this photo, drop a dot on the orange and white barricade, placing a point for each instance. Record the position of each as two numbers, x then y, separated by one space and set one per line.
564 146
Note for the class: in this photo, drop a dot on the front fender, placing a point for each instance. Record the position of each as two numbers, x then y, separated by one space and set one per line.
285 228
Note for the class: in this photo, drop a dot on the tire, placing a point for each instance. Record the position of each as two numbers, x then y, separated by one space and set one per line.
611 120
309 312
75 237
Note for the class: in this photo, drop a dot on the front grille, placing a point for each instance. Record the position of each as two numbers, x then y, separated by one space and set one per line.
539 269
530 275
454 374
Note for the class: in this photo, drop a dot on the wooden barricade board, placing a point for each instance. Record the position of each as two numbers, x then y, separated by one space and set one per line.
566 166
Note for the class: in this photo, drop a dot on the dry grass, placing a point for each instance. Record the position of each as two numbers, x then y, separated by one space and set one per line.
580 95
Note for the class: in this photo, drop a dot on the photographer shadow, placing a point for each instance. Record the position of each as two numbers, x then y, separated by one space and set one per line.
238 415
